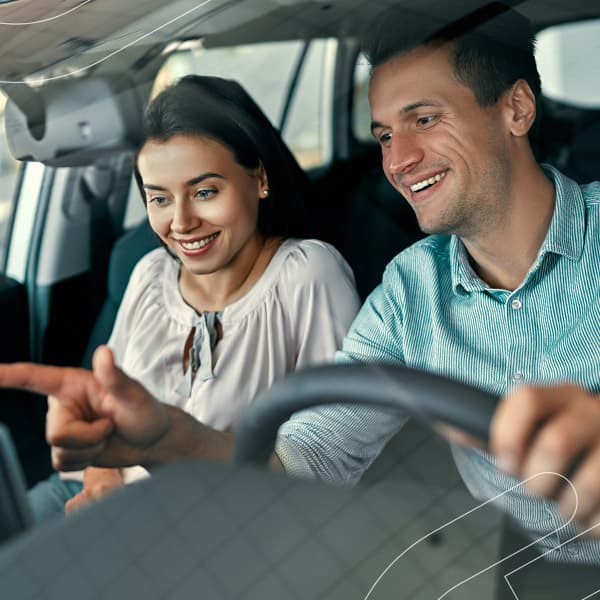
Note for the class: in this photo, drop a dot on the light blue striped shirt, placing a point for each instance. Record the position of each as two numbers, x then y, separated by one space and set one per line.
434 313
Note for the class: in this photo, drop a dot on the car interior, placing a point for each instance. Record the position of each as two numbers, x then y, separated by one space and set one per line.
76 76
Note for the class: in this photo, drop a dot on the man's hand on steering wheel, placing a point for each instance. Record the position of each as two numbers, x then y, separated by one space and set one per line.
553 430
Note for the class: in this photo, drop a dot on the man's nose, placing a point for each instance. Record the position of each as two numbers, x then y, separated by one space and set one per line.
404 153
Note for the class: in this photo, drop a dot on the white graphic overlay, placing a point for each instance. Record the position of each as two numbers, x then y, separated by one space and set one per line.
114 52
491 566
48 19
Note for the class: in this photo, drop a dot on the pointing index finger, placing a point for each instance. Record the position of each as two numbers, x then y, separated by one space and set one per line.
35 378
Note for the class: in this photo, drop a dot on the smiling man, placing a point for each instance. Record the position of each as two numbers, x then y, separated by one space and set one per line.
504 295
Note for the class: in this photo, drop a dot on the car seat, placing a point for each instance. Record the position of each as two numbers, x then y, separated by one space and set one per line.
127 251
363 216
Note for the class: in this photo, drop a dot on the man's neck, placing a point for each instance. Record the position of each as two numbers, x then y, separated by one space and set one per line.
503 256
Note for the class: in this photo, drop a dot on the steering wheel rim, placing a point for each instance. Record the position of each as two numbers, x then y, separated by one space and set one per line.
426 396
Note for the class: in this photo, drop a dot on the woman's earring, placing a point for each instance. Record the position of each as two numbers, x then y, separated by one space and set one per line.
266 192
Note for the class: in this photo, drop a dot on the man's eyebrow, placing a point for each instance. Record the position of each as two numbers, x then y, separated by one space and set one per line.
419 104
407 109
193 181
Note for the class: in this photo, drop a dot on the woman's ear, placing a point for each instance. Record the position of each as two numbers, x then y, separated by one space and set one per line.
521 108
263 182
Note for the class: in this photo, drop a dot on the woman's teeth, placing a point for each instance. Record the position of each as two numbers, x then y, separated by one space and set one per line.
199 243
426 182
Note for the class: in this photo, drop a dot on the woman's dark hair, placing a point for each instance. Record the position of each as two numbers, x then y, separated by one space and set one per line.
493 46
222 110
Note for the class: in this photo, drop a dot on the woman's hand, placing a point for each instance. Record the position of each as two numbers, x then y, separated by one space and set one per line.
97 482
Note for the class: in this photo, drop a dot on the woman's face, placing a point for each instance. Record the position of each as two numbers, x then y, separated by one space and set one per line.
201 203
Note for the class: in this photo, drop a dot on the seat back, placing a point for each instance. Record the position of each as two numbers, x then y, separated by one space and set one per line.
128 250
364 217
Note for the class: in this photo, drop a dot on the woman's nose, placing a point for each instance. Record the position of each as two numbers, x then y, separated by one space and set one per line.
184 217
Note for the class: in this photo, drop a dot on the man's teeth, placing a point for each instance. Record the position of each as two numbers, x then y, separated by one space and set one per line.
199 243
426 182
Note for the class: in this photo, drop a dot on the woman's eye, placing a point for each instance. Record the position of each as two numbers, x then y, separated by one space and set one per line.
158 200
205 193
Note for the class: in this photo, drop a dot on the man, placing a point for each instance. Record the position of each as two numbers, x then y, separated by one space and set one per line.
503 295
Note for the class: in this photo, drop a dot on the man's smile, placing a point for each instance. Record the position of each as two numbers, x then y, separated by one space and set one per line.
425 183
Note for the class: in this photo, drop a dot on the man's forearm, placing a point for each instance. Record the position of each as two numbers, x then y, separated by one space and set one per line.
188 438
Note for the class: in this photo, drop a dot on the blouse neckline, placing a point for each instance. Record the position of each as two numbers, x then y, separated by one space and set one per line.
179 310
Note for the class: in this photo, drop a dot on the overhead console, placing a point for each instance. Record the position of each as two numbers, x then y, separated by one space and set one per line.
66 123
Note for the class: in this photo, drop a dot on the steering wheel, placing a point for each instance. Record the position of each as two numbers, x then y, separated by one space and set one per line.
428 397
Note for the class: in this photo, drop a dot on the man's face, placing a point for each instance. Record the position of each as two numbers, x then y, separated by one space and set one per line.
447 155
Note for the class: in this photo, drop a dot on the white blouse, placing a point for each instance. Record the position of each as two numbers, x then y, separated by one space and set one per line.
295 315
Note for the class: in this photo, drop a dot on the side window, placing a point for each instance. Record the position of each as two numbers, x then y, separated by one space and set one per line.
568 58
361 113
9 169
308 128
264 70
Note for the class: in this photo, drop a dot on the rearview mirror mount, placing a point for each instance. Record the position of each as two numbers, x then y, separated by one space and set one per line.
67 123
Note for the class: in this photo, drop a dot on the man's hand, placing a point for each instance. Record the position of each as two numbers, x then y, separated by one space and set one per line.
557 429
106 419
102 417
96 484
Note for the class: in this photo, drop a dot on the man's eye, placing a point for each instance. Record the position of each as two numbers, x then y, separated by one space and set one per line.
384 138
426 120
205 193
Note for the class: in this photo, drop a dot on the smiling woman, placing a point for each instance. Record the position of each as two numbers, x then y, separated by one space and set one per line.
234 280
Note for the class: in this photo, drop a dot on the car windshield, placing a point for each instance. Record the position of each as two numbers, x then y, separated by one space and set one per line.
421 505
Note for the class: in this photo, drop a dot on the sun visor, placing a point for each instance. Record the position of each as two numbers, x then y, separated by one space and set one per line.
69 123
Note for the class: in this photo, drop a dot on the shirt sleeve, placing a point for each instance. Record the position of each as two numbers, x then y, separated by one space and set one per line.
321 299
337 443
141 278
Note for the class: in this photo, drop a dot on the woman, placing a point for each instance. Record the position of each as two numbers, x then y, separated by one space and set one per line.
235 298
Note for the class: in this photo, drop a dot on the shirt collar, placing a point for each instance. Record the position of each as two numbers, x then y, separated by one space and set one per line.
464 277
565 235
567 228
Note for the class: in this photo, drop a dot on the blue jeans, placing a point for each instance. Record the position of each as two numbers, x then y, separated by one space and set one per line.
47 498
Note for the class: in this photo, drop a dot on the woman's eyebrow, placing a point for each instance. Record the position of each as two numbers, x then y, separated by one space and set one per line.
202 177
193 181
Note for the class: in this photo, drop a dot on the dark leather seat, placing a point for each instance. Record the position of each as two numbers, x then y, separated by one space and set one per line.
127 251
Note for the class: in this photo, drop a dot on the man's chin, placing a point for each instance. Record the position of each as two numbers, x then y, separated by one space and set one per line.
433 228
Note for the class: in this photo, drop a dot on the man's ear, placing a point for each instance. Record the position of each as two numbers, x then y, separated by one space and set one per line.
519 102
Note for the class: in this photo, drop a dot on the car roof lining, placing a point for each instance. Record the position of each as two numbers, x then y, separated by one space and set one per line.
104 29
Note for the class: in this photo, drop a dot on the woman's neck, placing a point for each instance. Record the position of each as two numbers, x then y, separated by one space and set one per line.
215 291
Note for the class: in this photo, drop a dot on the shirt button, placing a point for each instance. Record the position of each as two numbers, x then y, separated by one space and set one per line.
517 376
573 549
516 304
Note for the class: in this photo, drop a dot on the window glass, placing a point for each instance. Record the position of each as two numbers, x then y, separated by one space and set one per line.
568 58
265 71
361 115
9 169
308 131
